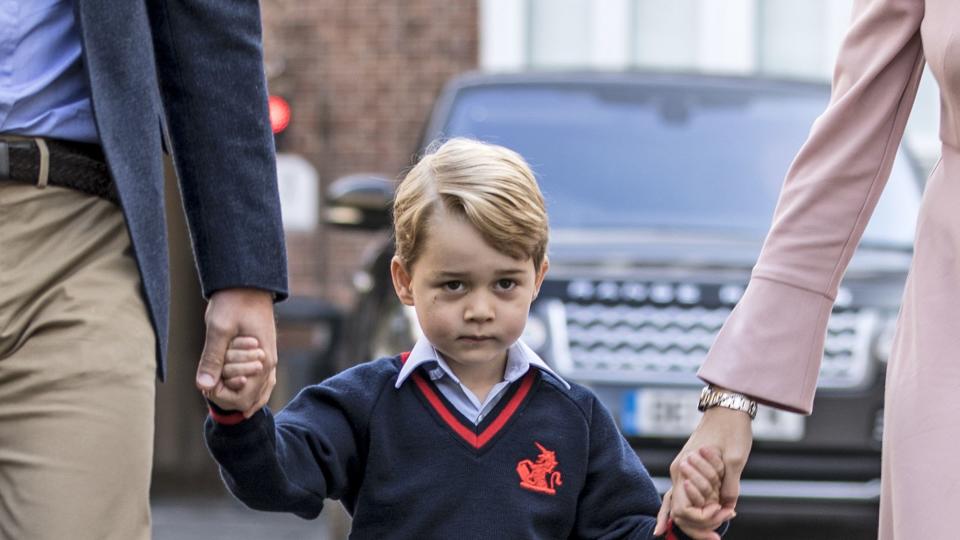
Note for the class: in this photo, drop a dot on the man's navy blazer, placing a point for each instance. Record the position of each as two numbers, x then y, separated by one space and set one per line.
195 69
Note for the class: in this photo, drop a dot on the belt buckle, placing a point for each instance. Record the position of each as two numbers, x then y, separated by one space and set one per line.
5 145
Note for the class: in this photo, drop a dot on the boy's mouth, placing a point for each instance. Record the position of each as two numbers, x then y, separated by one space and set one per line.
475 339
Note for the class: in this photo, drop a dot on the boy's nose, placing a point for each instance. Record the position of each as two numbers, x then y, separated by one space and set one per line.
480 309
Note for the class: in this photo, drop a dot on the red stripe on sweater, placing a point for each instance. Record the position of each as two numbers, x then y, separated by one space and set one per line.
444 413
507 411
464 432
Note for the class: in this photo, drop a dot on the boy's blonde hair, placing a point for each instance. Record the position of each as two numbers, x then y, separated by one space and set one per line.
490 186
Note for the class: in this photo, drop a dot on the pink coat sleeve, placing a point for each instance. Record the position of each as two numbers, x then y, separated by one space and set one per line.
771 345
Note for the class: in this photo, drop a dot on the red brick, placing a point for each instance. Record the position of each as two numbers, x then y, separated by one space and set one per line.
361 76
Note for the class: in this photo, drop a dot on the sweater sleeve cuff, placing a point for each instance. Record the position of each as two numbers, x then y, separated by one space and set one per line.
676 533
771 345
673 531
223 416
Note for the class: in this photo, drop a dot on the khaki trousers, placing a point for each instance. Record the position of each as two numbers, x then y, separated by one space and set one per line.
77 370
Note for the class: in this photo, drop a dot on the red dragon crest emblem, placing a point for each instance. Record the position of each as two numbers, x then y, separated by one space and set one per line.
540 475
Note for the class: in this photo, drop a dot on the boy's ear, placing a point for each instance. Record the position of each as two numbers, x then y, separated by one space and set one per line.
401 281
541 273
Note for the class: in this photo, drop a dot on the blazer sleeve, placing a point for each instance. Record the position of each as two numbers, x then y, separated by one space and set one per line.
212 84
771 345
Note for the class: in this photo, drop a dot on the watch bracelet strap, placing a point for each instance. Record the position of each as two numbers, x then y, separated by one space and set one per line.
711 397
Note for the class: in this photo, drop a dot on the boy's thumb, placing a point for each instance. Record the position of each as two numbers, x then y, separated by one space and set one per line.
663 515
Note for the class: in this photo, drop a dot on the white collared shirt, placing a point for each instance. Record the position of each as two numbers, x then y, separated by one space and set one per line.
519 359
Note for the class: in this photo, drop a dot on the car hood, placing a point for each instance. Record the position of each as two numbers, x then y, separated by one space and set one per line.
627 252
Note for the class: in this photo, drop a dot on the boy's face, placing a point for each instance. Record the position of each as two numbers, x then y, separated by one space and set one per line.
471 300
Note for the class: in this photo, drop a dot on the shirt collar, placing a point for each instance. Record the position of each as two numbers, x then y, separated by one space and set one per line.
519 359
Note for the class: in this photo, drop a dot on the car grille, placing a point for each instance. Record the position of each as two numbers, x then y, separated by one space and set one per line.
666 343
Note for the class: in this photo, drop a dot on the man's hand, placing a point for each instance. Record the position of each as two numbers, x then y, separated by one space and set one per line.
729 432
239 312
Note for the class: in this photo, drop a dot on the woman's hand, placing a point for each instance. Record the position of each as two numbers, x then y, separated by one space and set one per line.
729 432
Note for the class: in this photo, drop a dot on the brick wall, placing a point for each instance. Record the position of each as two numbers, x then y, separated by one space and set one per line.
360 76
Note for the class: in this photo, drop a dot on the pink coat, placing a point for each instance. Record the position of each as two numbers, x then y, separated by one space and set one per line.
771 345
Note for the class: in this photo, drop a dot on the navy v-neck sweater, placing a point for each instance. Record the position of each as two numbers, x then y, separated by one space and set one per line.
548 462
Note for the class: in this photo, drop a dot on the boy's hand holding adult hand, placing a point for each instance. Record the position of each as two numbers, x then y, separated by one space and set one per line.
711 514
232 313
694 504
728 431
244 363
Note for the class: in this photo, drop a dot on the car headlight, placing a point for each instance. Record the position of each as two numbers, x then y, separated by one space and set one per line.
883 342
535 333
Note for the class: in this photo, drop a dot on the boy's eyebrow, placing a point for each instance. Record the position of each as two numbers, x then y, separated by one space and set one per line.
511 271
448 274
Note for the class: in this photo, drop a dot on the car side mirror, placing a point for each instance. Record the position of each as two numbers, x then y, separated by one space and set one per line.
359 201
309 331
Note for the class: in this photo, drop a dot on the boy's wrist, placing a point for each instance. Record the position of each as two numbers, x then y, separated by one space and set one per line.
224 416
674 532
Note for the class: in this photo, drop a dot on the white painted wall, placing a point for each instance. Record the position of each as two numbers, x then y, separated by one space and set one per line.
503 34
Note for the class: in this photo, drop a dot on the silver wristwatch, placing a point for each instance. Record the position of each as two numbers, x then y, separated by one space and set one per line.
710 397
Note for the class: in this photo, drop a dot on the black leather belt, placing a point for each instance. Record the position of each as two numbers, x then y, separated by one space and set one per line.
74 165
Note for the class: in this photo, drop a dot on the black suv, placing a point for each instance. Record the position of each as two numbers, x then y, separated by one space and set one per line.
660 189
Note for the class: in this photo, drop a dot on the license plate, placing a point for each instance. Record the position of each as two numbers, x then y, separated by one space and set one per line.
668 412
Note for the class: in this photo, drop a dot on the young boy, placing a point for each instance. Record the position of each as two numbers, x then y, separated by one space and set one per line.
470 434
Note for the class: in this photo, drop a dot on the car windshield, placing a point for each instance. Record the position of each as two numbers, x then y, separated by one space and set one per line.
665 157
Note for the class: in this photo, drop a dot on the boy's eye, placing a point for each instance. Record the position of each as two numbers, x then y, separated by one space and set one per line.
506 284
453 286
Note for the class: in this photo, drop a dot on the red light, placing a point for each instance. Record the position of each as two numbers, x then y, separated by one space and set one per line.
279 113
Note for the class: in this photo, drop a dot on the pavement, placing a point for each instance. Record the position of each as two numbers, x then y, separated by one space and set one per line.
216 518
185 517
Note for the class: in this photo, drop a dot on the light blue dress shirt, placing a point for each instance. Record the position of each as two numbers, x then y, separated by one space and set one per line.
43 90
520 357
